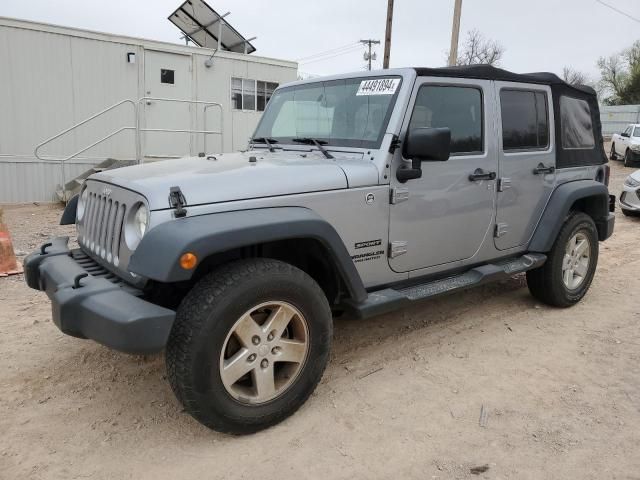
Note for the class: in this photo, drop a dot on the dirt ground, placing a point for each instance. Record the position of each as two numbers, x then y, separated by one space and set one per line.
559 390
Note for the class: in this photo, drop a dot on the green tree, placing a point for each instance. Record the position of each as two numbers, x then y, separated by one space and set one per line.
620 76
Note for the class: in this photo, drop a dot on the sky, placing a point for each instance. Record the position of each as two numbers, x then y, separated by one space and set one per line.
538 35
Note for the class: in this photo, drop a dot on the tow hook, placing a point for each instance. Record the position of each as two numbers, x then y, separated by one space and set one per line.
76 281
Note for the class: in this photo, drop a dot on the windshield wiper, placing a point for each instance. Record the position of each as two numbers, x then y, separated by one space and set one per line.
267 140
313 141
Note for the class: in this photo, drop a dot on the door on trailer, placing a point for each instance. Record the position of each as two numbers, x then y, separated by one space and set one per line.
167 77
446 215
527 161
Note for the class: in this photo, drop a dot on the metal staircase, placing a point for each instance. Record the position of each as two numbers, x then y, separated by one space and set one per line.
72 187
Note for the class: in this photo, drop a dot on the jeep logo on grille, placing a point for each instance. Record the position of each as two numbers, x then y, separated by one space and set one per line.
106 191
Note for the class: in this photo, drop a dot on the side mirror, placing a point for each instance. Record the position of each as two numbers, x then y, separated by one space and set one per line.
624 134
424 145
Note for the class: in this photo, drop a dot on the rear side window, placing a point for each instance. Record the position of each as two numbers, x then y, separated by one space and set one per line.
575 123
458 108
525 122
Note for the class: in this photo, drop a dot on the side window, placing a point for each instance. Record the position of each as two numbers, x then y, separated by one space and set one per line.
236 93
627 131
459 108
525 121
575 123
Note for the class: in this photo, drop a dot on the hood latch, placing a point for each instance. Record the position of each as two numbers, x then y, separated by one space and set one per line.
177 201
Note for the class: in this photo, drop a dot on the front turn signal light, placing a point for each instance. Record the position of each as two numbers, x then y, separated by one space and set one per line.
188 261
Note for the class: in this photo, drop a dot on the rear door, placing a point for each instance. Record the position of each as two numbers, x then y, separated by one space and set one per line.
526 161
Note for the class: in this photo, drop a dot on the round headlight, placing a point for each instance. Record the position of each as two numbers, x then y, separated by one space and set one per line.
141 220
631 182
82 204
136 225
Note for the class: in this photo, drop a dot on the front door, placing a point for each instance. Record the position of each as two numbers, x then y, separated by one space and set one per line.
527 161
447 215
167 77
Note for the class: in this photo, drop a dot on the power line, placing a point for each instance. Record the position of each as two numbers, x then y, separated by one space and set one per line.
326 52
327 57
618 10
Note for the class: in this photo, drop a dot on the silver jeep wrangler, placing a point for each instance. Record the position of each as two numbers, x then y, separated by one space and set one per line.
359 193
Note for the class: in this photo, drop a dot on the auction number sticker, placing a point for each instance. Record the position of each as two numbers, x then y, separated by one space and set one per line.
379 86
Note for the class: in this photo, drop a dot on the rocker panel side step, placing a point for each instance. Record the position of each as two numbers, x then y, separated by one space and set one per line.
389 299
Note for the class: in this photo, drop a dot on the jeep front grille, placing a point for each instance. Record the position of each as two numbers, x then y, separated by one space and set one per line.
103 227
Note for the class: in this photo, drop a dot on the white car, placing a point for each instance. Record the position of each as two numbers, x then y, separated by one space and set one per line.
630 196
626 145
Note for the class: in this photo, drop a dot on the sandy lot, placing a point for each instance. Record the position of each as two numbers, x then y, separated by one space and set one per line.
401 398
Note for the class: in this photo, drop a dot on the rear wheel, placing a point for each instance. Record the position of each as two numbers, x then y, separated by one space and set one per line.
249 345
567 274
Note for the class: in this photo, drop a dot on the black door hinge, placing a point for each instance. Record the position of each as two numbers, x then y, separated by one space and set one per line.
395 143
177 201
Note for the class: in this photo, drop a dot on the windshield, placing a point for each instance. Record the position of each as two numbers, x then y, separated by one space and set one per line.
353 112
636 132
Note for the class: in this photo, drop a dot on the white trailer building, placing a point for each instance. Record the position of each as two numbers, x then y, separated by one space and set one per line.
53 78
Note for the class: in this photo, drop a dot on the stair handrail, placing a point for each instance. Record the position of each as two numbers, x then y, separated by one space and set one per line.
205 132
86 120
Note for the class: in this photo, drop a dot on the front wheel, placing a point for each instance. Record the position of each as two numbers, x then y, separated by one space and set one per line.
249 345
613 155
571 264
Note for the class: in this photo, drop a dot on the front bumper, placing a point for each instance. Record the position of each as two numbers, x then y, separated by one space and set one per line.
89 302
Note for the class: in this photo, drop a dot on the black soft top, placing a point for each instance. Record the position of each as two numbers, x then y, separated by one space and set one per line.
565 120
487 72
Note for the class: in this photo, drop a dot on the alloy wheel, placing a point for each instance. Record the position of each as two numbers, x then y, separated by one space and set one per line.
264 352
575 264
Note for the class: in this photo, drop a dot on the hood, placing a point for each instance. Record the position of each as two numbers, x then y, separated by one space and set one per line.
234 176
636 175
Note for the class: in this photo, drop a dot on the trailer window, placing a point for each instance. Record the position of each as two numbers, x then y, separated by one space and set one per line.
167 76
525 122
249 94
575 124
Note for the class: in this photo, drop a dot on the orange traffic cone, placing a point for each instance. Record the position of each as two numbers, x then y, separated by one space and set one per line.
8 263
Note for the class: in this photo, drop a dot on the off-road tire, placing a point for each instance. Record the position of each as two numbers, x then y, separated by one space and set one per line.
203 321
545 283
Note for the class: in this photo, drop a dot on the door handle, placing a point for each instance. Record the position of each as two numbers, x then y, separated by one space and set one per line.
480 174
542 169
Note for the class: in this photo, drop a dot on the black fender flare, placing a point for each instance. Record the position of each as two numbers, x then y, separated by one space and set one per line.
157 256
559 205
69 214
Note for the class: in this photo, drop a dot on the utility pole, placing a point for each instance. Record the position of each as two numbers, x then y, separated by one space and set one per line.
455 33
387 35
369 56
